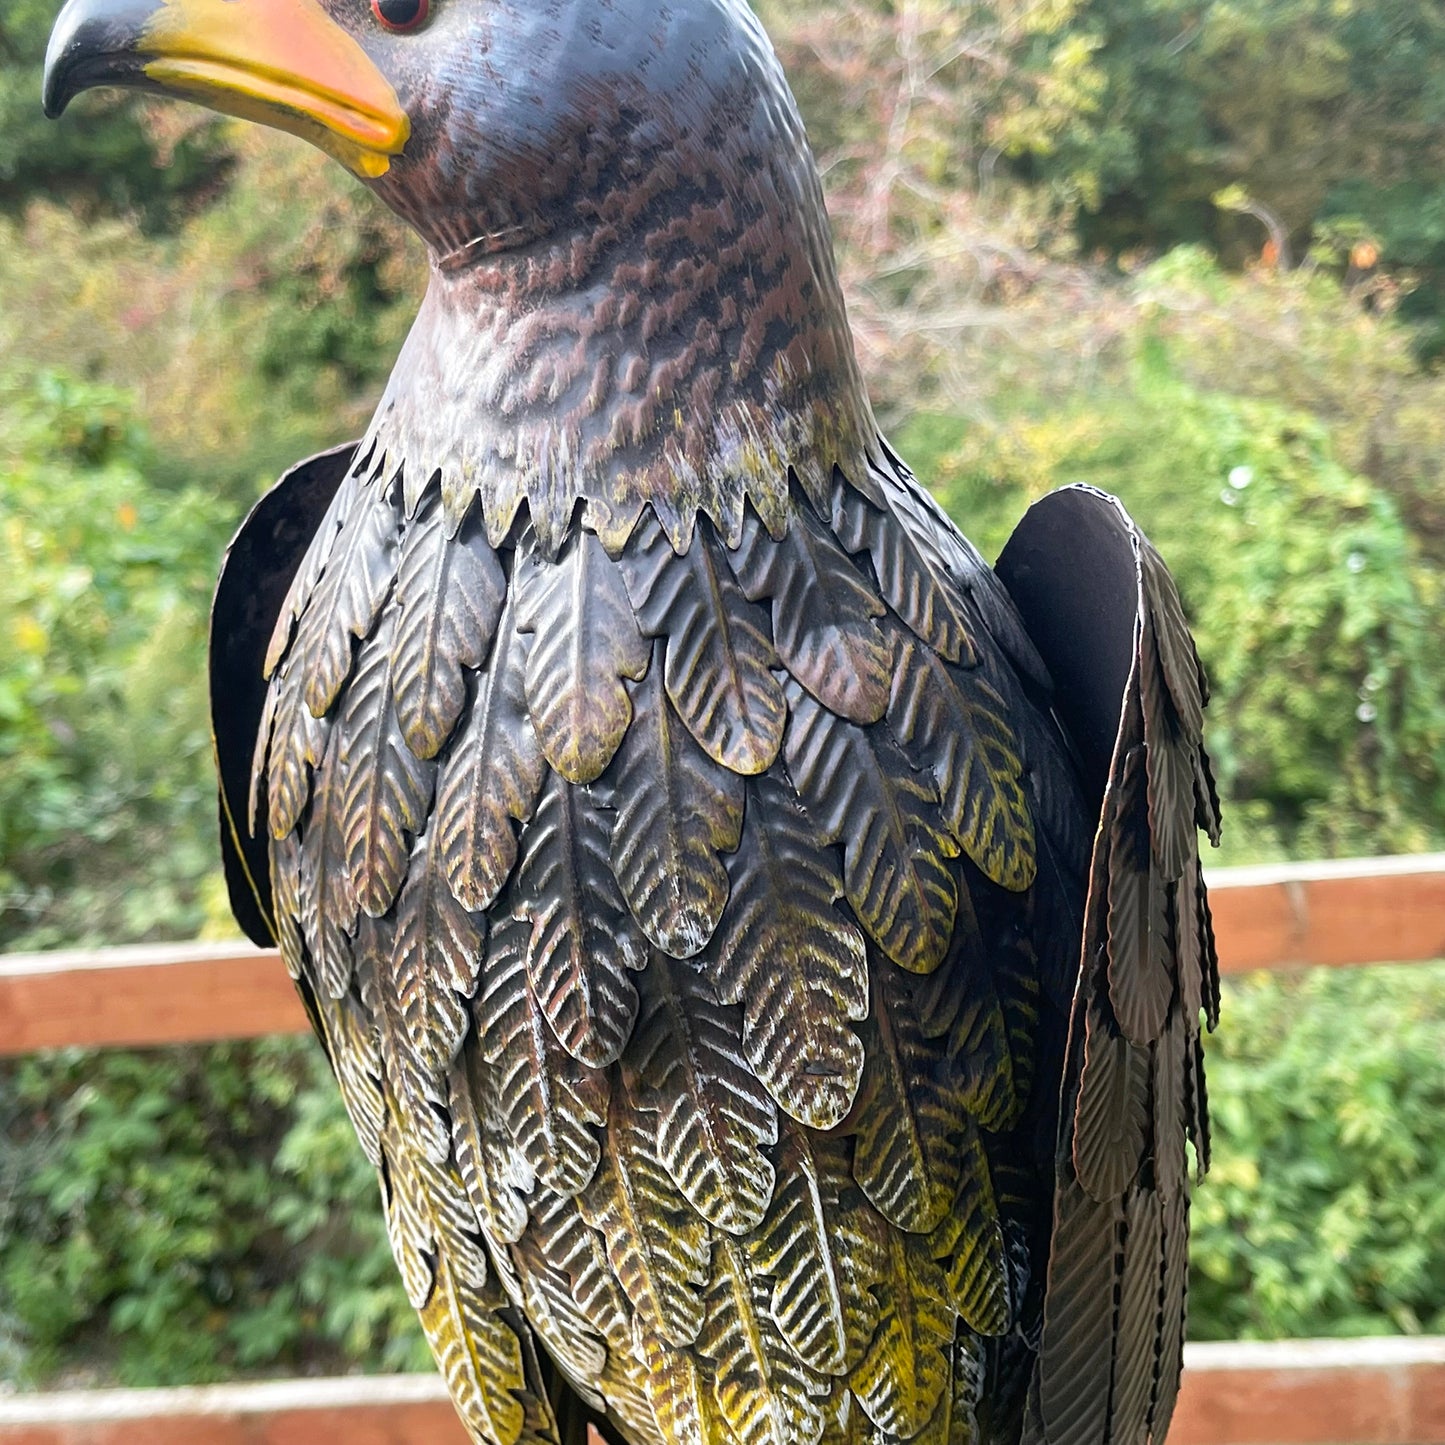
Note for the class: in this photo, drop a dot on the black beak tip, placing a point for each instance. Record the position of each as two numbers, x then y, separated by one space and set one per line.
56 89
93 43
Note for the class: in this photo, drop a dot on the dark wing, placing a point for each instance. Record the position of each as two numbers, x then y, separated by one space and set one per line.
1106 618
256 576
276 761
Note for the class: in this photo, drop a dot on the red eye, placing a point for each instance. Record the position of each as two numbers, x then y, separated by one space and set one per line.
401 14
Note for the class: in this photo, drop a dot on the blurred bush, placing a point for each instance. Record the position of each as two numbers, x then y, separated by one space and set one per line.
113 156
1324 1210
1314 601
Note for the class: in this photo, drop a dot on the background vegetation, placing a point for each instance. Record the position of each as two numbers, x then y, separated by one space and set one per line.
1192 252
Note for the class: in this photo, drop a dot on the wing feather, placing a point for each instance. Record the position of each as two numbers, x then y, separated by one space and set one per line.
906 1371
823 614
1079 1319
1172 1297
719 657
820 1245
292 744
969 1242
765 1394
573 1246
585 643
657 1245
860 791
328 897
483 1150
491 778
436 959
583 944
550 1101
344 604
676 811
906 1153
354 1049
715 1121
1111 1119
1141 981
914 585
420 1091
318 553
386 790
1134 1349
449 594
795 964
959 733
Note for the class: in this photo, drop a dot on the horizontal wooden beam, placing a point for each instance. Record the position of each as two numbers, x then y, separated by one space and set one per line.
1313 1392
1324 1392
1330 914
366 1410
1358 911
144 994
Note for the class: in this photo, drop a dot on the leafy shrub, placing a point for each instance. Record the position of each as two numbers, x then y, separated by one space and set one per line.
1315 610
106 789
190 1214
1324 1211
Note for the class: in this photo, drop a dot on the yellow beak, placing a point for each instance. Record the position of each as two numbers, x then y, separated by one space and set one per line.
284 63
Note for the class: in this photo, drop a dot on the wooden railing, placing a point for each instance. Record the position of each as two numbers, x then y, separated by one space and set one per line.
1376 910
1345 1392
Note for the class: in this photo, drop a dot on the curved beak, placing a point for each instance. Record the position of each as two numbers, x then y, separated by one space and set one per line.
284 63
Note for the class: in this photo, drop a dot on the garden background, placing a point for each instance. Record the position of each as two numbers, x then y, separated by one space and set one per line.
1190 250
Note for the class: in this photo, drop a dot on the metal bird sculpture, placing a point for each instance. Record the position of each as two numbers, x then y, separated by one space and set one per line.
762 949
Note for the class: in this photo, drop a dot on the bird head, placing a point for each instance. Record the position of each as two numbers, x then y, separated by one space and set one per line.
480 121
633 294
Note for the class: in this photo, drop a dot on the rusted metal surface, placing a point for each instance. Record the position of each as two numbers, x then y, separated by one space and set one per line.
1309 1392
1355 911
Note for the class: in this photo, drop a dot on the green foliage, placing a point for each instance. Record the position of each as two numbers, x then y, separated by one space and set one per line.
1313 607
1286 98
190 1215
106 829
1324 1211
114 156
261 331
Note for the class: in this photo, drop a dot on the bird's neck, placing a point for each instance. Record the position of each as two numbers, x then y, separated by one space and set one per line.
678 340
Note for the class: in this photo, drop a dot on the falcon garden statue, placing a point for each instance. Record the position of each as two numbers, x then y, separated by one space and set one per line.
762 949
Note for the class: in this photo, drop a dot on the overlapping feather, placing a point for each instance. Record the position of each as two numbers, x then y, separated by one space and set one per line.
823 615
715 1122
675 813
529 773
582 943
861 792
585 644
719 654
449 596
796 966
